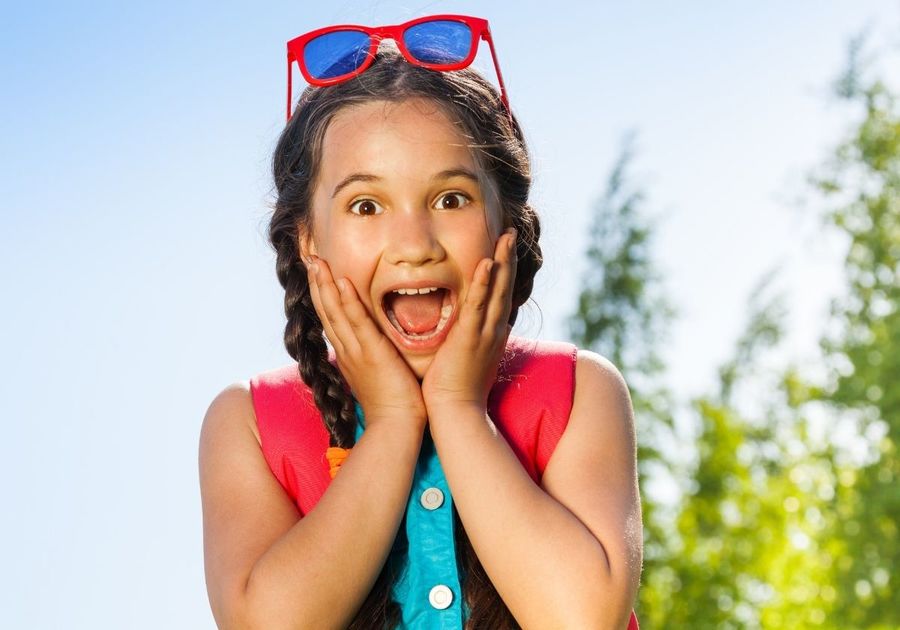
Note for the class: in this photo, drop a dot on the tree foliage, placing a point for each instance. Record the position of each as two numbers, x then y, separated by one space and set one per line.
790 509
862 184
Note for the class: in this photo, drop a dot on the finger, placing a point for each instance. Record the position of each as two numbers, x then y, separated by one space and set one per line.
365 329
472 312
312 279
503 282
330 300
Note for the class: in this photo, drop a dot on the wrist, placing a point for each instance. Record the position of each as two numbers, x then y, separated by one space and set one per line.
456 410
397 421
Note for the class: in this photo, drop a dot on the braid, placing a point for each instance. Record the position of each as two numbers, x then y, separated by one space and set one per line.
305 342
529 257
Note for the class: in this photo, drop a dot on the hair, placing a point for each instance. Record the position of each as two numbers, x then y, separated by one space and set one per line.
499 150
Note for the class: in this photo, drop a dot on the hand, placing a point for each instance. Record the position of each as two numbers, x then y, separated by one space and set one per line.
378 376
465 366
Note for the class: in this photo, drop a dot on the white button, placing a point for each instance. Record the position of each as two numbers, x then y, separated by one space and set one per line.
432 498
440 596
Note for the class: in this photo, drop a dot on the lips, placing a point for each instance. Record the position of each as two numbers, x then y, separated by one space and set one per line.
421 326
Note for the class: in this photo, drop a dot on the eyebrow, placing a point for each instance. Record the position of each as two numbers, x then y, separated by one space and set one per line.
354 177
449 173
460 171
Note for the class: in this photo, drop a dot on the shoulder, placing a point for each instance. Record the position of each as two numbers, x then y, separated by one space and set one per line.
601 422
594 374
602 411
245 508
598 379
231 408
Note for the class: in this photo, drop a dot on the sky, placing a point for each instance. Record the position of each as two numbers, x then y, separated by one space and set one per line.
135 188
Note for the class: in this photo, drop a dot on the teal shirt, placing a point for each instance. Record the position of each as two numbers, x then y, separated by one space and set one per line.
427 587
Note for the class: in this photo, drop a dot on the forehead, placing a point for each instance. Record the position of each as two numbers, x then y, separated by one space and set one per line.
410 139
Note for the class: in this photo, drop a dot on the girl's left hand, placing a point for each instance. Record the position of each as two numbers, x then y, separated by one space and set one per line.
465 366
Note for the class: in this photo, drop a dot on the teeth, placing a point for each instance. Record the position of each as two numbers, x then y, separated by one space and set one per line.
415 291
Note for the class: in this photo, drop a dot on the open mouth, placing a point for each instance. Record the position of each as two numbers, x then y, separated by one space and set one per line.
418 314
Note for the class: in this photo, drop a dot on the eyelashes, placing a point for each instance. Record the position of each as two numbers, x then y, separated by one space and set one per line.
457 198
445 201
365 207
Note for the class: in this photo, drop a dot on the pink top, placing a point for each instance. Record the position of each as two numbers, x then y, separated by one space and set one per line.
530 405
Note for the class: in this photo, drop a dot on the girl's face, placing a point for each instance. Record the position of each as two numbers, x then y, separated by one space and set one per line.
398 205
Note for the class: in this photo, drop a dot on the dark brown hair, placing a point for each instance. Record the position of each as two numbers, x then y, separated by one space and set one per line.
499 149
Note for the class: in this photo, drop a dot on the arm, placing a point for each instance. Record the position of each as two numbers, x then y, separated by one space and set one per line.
567 554
265 566
270 571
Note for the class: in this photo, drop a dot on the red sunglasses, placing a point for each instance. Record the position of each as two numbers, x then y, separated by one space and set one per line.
439 42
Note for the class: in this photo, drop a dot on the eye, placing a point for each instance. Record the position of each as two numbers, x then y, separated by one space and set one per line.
365 207
451 201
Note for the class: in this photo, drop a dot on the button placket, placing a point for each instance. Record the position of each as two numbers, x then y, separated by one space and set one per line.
428 580
430 527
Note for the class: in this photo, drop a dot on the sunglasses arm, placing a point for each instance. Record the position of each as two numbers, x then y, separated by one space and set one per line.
486 35
289 87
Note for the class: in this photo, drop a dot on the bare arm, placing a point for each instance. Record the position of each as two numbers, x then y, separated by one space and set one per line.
265 566
567 554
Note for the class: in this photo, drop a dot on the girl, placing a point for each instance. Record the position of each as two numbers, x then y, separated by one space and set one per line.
429 470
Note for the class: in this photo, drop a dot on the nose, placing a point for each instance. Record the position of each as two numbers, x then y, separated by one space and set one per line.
414 239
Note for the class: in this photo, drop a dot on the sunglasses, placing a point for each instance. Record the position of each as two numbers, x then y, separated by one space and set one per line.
439 42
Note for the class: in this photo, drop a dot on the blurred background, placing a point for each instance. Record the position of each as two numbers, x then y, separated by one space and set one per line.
719 186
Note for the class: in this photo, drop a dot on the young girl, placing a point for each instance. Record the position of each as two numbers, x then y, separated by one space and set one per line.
428 470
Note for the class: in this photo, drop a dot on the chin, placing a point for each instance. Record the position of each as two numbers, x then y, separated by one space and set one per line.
419 364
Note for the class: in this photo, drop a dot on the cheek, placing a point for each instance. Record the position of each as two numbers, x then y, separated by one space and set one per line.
470 245
352 257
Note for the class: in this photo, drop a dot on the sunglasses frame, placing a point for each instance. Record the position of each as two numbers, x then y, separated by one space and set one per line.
478 27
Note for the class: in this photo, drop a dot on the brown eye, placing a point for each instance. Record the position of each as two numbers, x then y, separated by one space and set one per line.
451 201
365 207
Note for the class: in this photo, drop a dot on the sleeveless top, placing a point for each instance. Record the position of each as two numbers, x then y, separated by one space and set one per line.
529 404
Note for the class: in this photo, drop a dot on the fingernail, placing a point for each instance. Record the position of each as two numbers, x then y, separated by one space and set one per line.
512 241
342 285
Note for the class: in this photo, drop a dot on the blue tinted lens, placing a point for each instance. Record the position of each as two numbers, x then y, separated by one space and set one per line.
335 54
441 41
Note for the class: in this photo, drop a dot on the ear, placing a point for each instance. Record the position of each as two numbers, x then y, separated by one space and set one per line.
306 243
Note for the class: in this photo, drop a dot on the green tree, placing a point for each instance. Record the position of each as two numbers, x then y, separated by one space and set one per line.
862 346
790 512
778 529
744 552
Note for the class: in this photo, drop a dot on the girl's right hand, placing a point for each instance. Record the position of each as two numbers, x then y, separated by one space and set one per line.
382 382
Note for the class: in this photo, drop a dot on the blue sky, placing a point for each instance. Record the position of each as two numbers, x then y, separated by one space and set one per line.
134 171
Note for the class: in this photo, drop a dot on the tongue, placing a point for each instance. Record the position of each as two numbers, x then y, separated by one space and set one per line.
418 313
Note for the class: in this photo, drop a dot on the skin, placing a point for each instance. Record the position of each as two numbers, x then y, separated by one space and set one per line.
562 554
390 225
